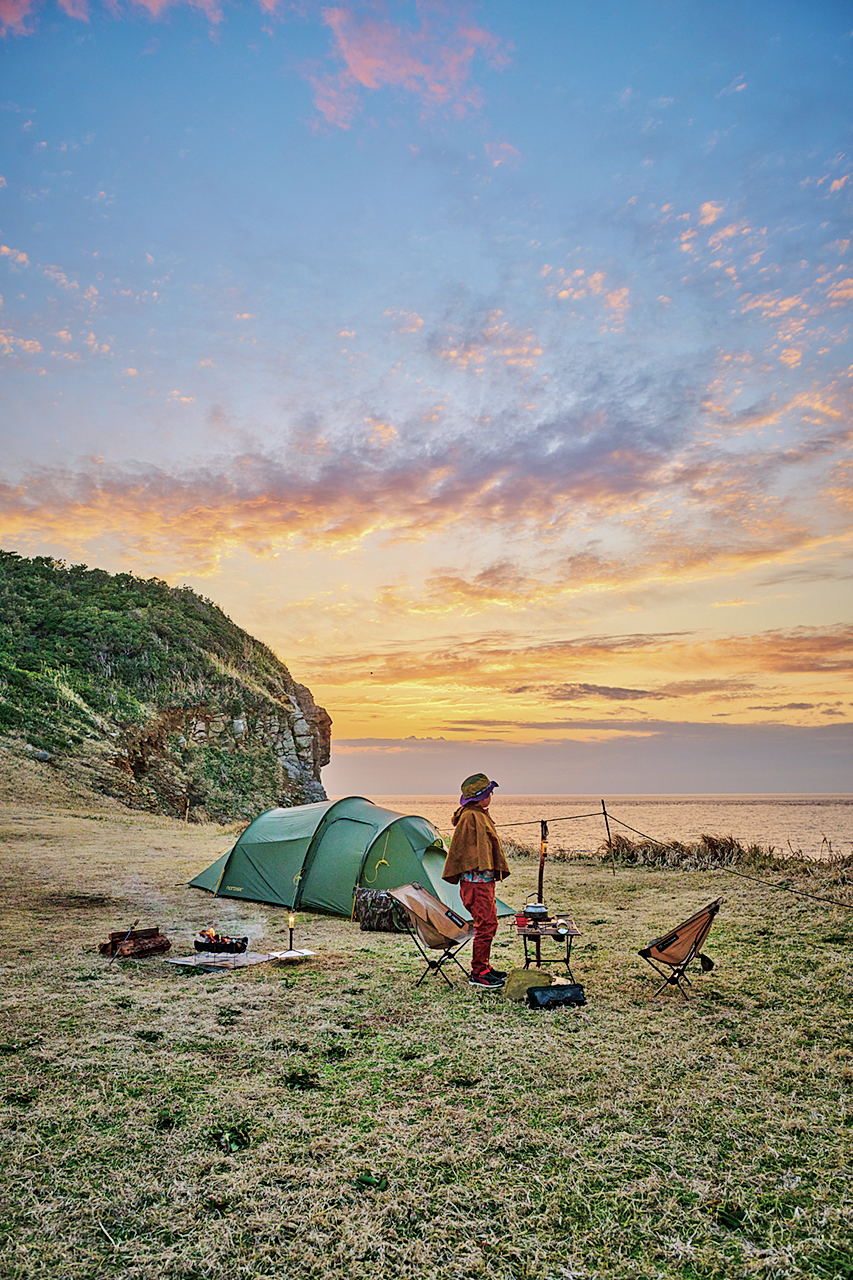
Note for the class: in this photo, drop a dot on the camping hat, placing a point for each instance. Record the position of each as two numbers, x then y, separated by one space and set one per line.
476 787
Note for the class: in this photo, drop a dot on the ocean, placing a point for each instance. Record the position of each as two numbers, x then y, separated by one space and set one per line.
811 823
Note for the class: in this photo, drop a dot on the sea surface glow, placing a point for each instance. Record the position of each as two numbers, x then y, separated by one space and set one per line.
814 824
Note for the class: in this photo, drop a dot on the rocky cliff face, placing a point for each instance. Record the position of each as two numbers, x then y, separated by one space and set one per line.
152 694
206 762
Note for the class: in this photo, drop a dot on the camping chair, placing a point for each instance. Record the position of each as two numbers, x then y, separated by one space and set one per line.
680 946
433 926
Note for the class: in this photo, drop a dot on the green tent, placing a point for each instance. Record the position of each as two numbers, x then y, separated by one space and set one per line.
315 856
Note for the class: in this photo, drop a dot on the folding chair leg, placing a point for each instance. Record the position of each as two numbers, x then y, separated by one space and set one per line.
437 966
670 979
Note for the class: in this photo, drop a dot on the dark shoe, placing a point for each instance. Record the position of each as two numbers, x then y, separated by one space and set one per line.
489 980
497 973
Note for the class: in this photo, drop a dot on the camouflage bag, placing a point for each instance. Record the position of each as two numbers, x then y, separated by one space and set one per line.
377 912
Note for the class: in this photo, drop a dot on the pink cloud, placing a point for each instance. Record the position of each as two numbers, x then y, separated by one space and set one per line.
76 9
156 8
502 153
13 15
434 62
434 65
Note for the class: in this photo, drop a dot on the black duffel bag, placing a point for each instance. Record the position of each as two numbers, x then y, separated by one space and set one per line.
556 997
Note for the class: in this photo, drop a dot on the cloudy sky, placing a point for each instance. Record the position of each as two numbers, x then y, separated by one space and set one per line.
492 363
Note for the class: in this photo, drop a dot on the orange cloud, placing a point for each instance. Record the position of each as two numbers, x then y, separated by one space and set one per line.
496 342
501 585
687 511
710 212
841 292
59 277
617 301
409 322
522 666
15 255
9 343
717 240
435 66
772 306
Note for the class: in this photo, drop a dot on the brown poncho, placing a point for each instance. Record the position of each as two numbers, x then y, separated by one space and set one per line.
475 846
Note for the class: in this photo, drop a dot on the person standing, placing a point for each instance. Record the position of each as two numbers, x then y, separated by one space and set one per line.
475 861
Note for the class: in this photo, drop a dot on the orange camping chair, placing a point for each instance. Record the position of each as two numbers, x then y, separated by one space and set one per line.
680 946
433 927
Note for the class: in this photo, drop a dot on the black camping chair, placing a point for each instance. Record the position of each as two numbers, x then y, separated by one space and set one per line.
680 946
433 926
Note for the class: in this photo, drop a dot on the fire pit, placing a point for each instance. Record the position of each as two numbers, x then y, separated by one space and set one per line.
218 942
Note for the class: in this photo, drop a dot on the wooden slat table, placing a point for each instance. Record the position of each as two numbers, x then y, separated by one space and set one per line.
534 933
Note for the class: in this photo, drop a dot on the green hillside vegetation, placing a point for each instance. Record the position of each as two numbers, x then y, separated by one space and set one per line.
191 715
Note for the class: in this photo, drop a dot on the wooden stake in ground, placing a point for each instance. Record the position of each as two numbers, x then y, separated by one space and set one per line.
543 849
609 841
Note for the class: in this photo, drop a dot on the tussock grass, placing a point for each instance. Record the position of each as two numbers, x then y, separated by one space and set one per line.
277 1123
831 872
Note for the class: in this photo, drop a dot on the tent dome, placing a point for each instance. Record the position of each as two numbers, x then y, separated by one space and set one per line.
314 857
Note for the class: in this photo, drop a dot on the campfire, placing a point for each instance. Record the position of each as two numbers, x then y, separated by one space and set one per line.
213 941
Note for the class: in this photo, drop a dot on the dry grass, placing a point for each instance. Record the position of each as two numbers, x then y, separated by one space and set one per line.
159 1126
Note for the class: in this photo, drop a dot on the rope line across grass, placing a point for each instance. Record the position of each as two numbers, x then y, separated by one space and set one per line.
781 888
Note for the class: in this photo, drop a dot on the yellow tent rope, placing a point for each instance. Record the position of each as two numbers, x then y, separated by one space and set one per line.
381 863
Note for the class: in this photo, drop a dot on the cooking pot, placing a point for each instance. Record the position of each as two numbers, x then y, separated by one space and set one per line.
536 911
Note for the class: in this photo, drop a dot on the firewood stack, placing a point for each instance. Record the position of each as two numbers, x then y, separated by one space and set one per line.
136 943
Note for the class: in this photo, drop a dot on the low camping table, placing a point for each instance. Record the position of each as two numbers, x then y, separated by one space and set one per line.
530 932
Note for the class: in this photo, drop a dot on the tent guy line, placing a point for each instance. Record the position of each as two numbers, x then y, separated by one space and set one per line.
783 888
535 822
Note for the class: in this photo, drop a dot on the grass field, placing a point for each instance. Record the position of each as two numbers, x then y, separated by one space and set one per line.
164 1126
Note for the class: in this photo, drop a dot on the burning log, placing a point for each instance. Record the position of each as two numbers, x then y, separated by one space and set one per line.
213 941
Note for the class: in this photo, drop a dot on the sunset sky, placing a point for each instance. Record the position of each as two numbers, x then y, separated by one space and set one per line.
492 363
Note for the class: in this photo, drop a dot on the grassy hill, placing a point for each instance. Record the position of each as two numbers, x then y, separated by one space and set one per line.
152 693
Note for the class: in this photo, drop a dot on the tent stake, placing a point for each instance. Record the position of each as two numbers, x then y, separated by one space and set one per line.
609 840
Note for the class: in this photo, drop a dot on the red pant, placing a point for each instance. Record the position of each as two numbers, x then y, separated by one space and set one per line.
479 899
